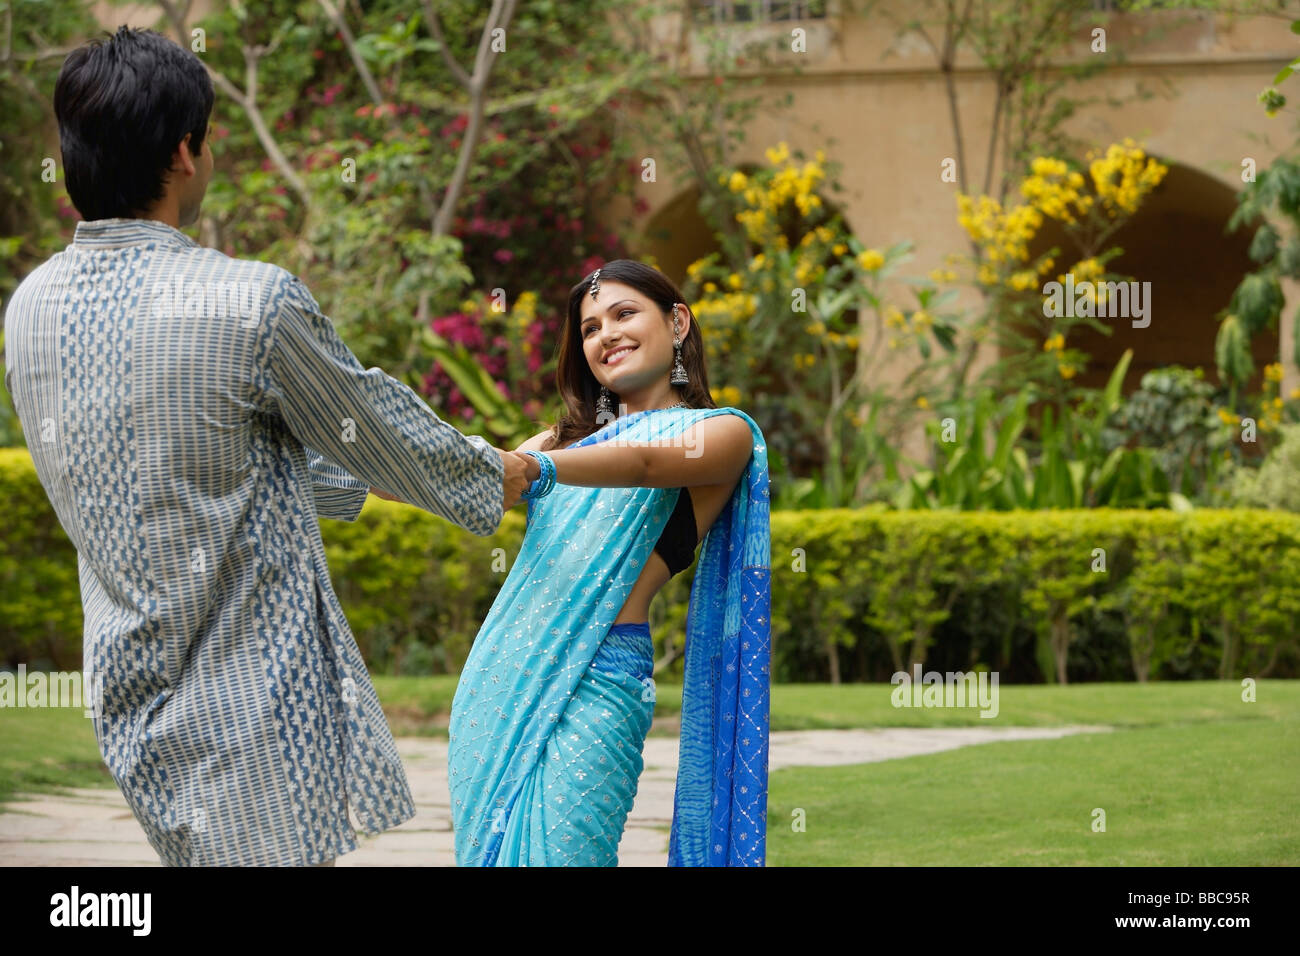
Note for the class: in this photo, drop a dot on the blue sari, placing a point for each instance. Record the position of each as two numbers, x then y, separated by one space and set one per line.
554 702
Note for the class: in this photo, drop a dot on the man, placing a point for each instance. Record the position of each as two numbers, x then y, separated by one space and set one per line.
190 417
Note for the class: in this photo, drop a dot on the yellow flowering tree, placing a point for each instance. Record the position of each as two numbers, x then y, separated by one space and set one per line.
798 318
1089 206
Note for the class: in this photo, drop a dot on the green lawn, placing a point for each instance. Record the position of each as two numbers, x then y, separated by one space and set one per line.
420 705
1191 775
1195 794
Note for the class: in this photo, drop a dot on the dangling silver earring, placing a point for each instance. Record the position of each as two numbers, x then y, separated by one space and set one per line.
679 376
602 403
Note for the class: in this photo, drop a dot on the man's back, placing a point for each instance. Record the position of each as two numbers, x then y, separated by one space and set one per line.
172 398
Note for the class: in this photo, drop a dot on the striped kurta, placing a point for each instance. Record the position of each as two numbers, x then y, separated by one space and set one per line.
191 416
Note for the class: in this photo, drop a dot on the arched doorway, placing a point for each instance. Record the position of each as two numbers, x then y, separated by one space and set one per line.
677 235
1177 242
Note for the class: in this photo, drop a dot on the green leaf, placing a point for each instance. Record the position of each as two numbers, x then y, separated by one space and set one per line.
1230 351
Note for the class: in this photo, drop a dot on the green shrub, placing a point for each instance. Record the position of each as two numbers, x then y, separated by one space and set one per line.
1275 484
40 603
857 594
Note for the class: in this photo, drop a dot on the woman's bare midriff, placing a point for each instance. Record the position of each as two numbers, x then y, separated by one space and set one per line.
708 501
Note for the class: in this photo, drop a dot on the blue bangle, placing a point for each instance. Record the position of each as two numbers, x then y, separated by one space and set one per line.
546 481
542 485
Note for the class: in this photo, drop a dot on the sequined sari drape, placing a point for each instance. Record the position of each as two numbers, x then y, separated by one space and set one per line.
554 702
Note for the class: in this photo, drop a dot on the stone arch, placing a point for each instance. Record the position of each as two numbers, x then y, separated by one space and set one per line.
676 235
1177 242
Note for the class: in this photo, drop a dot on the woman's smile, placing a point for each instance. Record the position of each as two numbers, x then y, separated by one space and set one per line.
620 353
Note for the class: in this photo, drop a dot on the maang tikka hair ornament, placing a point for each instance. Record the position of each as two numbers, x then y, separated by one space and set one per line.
679 376
595 283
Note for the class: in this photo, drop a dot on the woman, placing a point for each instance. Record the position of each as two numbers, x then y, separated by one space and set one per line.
556 697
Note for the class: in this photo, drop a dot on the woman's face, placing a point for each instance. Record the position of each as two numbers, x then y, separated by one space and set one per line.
627 340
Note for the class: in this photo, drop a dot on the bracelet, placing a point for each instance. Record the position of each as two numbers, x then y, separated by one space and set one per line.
546 481
542 485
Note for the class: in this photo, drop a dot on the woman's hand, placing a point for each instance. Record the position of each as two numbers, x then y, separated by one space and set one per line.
383 494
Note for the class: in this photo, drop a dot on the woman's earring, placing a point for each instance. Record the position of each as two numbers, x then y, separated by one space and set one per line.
602 403
679 376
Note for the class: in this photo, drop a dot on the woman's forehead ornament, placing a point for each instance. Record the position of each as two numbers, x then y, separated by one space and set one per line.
595 283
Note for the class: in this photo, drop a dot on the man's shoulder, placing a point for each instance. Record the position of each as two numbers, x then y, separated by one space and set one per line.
271 286
25 293
265 273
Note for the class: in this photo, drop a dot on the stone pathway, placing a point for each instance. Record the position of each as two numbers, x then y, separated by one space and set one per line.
94 827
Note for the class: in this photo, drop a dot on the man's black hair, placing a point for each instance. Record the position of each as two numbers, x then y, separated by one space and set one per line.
124 103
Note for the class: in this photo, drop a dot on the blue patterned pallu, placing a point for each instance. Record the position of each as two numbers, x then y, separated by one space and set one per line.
554 702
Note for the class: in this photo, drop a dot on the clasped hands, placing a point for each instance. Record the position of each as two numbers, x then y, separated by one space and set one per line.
520 472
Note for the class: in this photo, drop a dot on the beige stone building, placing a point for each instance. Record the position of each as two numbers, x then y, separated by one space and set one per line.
874 98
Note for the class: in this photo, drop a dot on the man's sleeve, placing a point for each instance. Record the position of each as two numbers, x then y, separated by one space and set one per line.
339 495
372 425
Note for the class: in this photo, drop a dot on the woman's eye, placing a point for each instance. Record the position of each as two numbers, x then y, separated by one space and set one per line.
625 312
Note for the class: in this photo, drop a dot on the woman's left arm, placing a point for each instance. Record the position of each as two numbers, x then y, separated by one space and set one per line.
712 451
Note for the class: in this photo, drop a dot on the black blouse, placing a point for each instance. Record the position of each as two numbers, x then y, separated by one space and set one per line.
680 536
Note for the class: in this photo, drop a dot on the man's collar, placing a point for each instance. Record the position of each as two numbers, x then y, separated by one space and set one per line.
117 233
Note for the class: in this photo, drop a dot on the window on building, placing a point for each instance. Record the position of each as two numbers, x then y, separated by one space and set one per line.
757 11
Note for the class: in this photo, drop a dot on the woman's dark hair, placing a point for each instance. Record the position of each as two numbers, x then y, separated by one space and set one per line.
124 103
578 386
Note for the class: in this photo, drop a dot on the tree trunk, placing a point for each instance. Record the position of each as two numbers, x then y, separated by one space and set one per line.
1061 644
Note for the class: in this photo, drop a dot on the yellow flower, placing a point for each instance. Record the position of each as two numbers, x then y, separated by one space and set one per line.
1067 370
726 396
710 287
733 280
738 182
1227 417
1055 342
694 269
1277 402
1124 176
778 154
1273 372
894 319
1025 279
870 259
922 320
839 249
1295 393
922 402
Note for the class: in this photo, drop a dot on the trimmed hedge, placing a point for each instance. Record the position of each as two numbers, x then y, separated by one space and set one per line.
856 594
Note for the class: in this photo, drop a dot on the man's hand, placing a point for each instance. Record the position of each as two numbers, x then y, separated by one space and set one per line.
516 476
